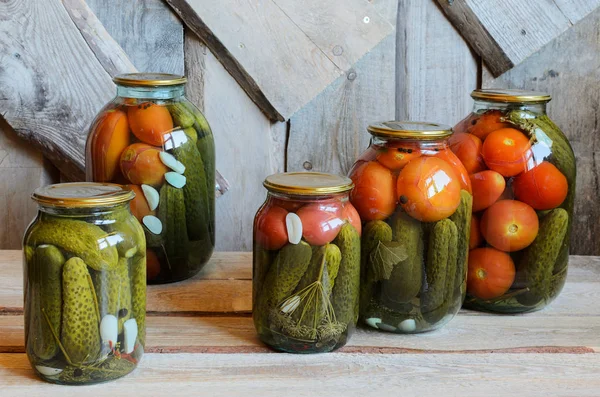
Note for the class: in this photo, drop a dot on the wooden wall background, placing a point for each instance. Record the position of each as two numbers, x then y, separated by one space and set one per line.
424 71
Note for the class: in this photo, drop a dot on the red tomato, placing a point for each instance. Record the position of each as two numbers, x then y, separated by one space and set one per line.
448 156
396 156
491 273
467 148
320 225
464 124
475 239
350 214
507 151
487 123
271 231
374 195
488 186
543 187
428 189
289 205
509 225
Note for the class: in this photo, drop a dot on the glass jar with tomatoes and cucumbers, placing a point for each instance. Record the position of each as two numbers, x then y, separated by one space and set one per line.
522 171
306 263
413 196
151 139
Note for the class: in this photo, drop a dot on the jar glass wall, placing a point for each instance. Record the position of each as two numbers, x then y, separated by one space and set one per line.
84 284
157 143
523 173
414 198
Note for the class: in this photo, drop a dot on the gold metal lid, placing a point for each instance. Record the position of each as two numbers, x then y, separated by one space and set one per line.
410 130
307 183
149 79
510 96
82 194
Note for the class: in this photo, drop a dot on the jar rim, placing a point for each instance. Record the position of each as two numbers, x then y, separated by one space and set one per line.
510 95
82 195
307 183
149 79
419 130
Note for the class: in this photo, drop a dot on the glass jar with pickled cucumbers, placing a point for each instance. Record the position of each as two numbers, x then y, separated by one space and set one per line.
522 170
306 263
413 196
157 143
84 284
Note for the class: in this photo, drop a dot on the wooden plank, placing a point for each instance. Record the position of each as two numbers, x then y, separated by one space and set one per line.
568 70
436 70
329 133
282 54
475 334
504 33
148 31
329 374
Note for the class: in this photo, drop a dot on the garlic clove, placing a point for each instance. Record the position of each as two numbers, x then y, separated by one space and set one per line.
386 327
175 179
153 224
170 161
291 304
130 331
152 196
408 325
373 322
109 330
48 371
293 224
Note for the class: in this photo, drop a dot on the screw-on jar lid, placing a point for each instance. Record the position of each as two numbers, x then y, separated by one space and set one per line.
410 130
149 79
307 183
82 194
510 96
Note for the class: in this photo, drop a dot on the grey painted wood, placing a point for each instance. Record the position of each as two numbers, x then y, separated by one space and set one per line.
506 32
569 69
283 55
148 31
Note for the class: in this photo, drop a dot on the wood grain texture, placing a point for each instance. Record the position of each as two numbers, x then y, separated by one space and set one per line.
329 133
436 70
281 54
148 31
572 80
504 33
331 374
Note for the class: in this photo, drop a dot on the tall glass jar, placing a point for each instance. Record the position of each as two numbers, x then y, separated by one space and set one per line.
84 284
306 263
414 198
153 140
523 173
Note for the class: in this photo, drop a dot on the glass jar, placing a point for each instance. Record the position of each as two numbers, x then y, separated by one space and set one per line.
153 140
84 284
414 198
306 263
523 174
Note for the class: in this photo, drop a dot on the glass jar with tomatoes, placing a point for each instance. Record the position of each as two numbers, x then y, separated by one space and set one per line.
306 263
414 198
522 171
151 139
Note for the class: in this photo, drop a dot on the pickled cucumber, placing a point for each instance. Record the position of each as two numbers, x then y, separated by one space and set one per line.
80 334
45 274
113 291
433 294
261 263
182 117
537 263
462 220
172 214
191 133
78 238
373 233
130 232
346 289
138 294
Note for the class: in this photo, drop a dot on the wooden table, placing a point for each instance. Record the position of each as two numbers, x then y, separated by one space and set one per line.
201 341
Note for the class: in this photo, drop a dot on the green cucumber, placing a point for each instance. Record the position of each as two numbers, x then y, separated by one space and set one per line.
462 220
137 273
373 233
345 294
182 117
113 290
172 214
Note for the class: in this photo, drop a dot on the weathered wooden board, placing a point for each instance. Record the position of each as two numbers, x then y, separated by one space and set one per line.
334 374
506 32
329 133
569 69
283 53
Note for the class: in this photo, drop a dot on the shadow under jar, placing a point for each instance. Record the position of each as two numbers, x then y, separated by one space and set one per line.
157 143
306 263
523 174
414 198
84 284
